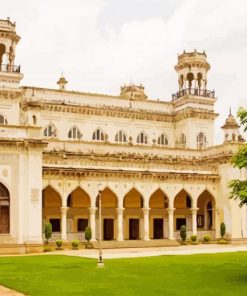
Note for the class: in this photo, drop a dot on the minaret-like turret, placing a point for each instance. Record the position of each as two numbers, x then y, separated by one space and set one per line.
133 92
62 82
10 74
192 68
231 130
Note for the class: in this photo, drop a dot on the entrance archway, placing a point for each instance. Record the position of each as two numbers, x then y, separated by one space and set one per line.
205 214
182 213
133 215
109 204
4 210
51 208
158 217
78 203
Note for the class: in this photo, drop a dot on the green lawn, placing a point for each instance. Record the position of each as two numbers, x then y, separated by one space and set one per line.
216 274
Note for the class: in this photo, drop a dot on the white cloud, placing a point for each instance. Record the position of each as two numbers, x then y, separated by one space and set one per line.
67 35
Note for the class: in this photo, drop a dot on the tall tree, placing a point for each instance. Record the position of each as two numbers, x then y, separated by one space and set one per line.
238 187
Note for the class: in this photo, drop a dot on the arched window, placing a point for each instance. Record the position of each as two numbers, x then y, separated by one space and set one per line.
98 135
121 137
3 119
142 138
163 140
4 209
74 133
201 140
50 131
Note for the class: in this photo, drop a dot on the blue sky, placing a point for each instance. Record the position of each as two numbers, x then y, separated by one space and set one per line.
102 44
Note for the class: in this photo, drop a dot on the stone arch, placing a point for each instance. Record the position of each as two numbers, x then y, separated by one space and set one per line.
190 78
158 216
51 207
206 214
3 119
182 214
158 199
133 199
78 203
4 209
108 198
2 52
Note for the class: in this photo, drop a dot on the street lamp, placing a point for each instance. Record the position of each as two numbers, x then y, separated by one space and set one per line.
100 260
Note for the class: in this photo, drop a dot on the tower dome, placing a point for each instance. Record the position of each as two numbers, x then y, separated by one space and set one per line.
231 130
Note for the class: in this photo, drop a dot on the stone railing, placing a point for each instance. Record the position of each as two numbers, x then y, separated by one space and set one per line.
10 68
80 236
194 92
200 234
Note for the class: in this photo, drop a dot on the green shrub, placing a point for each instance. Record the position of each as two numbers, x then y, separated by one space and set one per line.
59 243
222 229
46 249
88 234
193 238
75 244
48 231
206 238
222 241
183 233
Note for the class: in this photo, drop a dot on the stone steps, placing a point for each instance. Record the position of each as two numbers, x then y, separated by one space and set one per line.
135 244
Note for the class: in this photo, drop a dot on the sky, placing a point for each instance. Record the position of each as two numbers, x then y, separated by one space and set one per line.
100 45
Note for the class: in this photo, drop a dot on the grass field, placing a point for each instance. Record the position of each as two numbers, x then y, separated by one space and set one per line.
216 274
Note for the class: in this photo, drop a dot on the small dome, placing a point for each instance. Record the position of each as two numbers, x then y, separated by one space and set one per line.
230 122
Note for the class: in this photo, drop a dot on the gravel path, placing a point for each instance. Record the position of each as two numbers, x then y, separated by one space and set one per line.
8 292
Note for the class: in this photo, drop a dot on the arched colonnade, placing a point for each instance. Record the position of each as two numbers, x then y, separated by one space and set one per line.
132 215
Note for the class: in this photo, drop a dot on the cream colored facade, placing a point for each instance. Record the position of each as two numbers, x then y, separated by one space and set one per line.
155 162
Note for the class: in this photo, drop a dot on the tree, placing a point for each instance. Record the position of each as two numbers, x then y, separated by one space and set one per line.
222 229
48 231
239 160
88 234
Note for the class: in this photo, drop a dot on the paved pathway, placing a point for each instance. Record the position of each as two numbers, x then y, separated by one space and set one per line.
8 292
158 251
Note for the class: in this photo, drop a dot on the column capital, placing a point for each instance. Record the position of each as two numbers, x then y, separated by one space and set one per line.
64 210
93 210
145 210
194 210
120 210
170 210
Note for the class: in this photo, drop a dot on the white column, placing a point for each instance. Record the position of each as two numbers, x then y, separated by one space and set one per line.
194 220
146 224
120 224
170 223
92 222
64 223
216 222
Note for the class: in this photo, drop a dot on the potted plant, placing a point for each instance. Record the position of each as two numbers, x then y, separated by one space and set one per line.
222 240
59 244
75 245
88 235
183 234
194 239
206 238
48 234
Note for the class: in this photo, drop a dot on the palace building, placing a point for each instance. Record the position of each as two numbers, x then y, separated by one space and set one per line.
155 163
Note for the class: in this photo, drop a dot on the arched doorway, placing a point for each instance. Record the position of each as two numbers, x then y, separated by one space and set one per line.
4 210
109 204
158 204
133 204
51 210
205 213
182 213
78 203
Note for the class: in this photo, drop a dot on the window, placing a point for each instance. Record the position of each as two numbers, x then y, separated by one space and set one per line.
4 209
82 224
162 140
183 139
74 133
50 131
98 135
142 138
201 140
55 223
3 119
121 137
180 222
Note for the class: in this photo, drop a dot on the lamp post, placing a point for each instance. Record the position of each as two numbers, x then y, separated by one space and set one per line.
100 260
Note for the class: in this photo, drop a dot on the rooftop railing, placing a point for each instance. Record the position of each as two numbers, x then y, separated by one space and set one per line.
10 68
194 92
